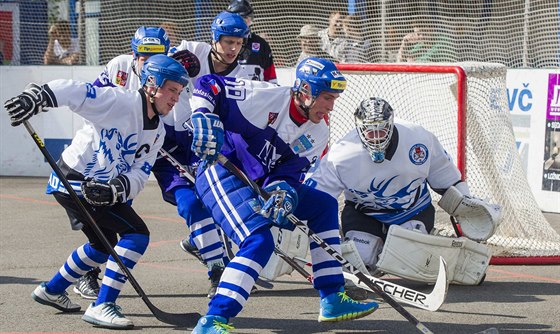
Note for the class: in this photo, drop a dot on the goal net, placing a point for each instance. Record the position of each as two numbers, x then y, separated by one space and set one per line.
465 106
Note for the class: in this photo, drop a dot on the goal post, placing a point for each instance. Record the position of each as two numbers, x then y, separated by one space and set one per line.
465 106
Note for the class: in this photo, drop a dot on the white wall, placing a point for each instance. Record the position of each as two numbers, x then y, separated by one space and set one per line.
527 97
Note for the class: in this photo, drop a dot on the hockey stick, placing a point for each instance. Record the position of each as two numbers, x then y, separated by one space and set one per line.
183 171
176 319
336 255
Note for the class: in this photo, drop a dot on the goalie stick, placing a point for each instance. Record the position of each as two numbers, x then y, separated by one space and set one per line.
176 319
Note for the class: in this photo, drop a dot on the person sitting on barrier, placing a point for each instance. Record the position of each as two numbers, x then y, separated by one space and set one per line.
385 167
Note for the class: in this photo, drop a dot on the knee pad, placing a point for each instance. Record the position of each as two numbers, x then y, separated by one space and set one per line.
414 225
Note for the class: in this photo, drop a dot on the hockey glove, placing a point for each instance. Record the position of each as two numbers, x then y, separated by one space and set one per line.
283 201
105 194
33 100
189 61
478 219
208 136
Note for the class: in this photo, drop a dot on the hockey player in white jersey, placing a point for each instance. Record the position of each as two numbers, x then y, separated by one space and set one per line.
107 164
384 168
273 134
223 54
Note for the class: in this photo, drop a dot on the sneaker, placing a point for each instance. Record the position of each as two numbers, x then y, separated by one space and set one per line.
215 276
212 324
355 292
338 307
188 247
87 285
60 301
107 315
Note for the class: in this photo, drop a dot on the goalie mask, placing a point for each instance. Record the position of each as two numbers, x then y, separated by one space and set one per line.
374 119
149 41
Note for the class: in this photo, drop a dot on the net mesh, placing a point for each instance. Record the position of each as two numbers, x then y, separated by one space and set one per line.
493 167
511 32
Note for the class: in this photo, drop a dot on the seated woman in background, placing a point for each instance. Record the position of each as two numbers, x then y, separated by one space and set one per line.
62 48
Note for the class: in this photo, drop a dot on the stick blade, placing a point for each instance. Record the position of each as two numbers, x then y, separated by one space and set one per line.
490 330
177 319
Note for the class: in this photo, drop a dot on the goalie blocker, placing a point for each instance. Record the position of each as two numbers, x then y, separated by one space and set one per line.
413 255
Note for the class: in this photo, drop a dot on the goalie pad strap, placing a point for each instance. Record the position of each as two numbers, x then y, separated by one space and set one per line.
413 255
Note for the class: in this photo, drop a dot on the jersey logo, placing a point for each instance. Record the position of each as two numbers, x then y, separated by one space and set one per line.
91 93
303 143
418 154
272 116
255 47
214 87
122 76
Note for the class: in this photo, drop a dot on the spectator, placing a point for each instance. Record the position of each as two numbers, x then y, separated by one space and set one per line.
171 29
421 45
344 39
62 48
310 43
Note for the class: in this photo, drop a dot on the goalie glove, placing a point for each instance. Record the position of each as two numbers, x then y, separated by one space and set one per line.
32 101
283 201
477 218
208 136
106 193
189 61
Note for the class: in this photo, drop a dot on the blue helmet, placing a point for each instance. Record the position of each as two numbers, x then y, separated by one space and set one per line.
321 75
159 68
148 41
229 24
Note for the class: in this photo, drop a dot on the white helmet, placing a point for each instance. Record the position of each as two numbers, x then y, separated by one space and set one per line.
374 123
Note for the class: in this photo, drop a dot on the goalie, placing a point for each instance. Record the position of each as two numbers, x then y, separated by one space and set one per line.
384 167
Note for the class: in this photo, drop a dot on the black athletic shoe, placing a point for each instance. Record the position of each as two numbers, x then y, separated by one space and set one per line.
87 285
215 275
191 249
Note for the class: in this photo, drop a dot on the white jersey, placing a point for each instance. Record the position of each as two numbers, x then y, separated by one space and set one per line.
203 52
119 73
397 188
118 138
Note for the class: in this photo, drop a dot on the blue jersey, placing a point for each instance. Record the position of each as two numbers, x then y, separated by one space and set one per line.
264 133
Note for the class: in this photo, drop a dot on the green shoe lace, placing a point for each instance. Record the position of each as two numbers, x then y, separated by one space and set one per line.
222 327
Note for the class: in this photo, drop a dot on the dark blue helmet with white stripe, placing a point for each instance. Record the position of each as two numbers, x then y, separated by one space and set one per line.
160 68
149 41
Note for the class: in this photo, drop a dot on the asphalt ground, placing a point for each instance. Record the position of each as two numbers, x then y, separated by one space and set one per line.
36 239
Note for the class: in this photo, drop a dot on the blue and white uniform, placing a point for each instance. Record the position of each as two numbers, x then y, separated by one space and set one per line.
396 189
267 138
118 139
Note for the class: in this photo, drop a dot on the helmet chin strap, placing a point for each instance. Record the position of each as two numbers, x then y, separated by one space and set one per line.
219 58
151 98
304 107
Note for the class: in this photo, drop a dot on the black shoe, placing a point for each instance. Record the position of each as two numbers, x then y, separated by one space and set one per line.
87 285
215 275
191 249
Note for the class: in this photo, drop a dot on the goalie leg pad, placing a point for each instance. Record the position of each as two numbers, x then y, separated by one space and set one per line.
367 245
350 253
293 243
413 255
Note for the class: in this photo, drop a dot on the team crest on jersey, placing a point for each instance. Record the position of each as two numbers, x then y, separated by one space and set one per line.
256 47
272 116
121 79
214 87
418 154
303 143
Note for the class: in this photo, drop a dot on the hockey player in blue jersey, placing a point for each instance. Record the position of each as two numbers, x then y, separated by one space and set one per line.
107 164
273 134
